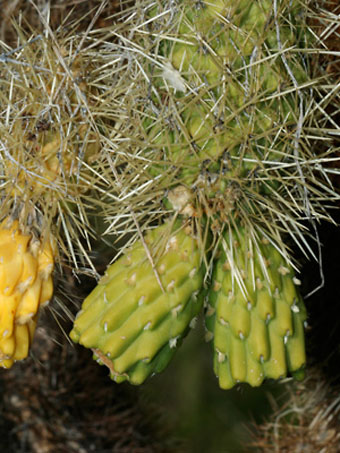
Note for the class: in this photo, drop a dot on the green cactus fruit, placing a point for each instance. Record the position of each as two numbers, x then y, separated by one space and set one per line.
254 315
141 309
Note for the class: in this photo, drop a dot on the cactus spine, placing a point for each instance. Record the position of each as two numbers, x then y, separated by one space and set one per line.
307 419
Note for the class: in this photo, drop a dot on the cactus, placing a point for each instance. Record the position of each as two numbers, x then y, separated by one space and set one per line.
305 419
190 112
210 102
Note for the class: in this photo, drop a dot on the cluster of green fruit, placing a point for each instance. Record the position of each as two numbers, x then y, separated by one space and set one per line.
139 313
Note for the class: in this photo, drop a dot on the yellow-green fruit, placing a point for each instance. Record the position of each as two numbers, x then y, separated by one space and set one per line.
255 315
141 310
26 265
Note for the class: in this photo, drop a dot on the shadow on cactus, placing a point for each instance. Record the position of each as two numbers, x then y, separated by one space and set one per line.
214 155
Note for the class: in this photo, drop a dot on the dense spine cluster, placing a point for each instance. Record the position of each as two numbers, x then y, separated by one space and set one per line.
212 96
229 104
49 142
307 420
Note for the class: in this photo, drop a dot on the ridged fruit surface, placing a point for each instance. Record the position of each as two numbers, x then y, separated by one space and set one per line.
143 306
254 315
26 284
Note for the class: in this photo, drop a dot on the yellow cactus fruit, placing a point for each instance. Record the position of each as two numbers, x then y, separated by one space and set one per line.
16 346
26 265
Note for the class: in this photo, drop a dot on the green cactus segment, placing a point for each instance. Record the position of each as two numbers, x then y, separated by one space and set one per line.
221 81
210 106
254 315
138 314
